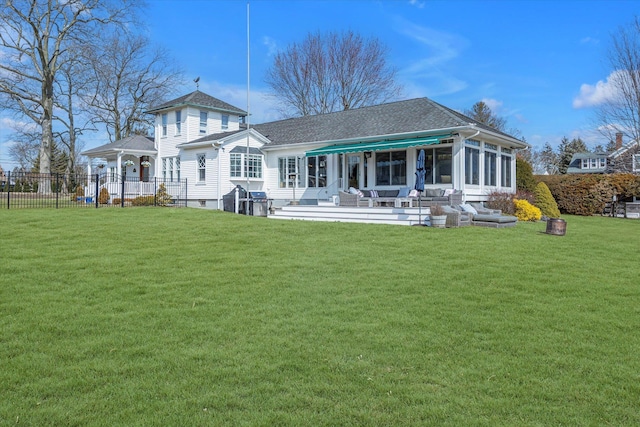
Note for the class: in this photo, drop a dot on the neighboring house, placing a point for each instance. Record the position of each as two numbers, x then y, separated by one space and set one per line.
625 159
205 141
588 163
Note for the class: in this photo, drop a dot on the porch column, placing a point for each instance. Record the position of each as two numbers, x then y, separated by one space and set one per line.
119 165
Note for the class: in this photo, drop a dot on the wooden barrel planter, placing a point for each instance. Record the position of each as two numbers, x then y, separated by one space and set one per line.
556 226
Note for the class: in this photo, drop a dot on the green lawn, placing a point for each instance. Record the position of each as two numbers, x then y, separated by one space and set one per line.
184 317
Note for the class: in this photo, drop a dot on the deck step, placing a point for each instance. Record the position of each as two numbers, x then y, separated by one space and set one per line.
379 215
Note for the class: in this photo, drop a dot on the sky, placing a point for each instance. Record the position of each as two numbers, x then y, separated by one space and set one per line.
540 64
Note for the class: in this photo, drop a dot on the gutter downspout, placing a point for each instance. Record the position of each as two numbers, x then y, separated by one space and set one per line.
217 146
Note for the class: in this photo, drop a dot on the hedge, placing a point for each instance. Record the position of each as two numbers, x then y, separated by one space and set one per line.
587 194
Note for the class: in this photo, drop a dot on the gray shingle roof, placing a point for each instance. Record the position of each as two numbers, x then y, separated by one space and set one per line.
199 99
413 115
133 142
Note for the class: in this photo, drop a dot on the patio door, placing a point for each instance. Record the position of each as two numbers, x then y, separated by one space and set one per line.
353 170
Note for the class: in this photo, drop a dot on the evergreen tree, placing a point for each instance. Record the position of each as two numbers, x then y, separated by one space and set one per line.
567 149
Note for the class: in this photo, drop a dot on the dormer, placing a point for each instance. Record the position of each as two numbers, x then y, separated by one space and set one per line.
588 163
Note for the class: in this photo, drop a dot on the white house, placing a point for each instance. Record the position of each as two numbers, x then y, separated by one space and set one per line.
205 141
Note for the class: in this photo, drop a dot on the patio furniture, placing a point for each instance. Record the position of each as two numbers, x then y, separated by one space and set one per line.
484 217
353 200
456 218
481 209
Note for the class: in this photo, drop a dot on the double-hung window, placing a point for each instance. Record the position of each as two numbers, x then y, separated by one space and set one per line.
636 163
505 167
225 121
472 162
288 169
490 164
243 165
202 167
236 165
164 124
178 122
203 122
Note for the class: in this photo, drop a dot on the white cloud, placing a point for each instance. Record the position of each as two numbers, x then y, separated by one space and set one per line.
435 52
270 43
416 3
263 107
601 92
493 104
589 40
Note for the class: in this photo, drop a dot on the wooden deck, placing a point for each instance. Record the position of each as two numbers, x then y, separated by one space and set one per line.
370 215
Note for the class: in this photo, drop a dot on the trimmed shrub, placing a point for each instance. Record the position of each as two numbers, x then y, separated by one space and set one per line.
103 197
524 175
525 211
162 197
143 201
587 194
545 201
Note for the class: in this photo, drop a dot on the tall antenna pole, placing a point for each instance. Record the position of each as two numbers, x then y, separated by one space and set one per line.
246 160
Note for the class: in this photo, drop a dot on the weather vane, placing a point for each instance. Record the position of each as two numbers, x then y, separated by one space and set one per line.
196 80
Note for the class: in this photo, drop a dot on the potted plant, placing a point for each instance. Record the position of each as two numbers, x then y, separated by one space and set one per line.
437 216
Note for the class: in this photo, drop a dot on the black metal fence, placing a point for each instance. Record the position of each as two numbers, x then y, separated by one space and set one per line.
55 190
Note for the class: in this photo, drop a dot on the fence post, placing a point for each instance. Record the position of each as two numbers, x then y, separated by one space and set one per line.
122 177
97 190
155 191
57 188
9 190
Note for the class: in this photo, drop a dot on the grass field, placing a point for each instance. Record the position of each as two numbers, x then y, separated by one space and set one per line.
184 317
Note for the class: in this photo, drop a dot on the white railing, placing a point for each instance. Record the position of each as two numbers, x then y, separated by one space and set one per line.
332 189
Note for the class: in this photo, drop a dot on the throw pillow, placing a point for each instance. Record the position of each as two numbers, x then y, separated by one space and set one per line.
448 192
414 193
468 208
374 193
432 192
353 190
404 192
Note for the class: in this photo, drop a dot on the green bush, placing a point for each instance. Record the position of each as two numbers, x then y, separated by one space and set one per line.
587 194
545 201
524 175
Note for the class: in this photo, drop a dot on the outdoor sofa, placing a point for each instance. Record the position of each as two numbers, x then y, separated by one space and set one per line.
371 198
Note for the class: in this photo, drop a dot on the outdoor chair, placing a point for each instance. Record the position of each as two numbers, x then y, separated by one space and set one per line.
456 218
353 200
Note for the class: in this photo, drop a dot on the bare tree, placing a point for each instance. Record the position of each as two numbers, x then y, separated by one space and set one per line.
126 77
332 72
34 37
25 147
621 111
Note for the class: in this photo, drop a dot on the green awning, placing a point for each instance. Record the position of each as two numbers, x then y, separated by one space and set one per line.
375 146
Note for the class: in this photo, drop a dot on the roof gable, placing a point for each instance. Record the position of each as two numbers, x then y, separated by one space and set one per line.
199 99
